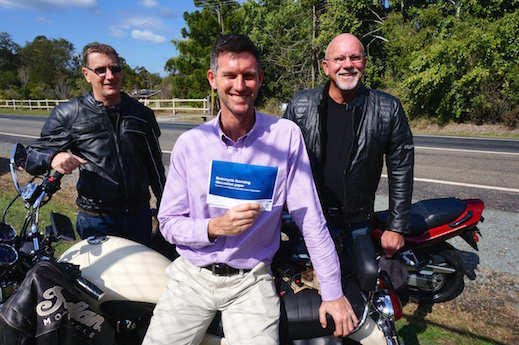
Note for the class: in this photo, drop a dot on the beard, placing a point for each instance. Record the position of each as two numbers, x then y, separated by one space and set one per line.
349 85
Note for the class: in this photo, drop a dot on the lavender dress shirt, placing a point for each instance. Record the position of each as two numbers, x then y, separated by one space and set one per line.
184 213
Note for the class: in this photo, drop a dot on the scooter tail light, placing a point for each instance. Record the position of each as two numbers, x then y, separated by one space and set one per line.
397 305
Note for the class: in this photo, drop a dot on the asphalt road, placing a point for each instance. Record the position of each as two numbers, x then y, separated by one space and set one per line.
486 169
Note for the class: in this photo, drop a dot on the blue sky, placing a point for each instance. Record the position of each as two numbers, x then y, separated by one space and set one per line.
140 30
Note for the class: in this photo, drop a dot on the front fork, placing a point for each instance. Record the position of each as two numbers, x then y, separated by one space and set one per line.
377 325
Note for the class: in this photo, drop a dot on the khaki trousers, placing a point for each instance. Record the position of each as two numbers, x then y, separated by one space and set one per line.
248 302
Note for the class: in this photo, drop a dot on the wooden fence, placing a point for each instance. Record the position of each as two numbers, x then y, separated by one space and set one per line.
175 106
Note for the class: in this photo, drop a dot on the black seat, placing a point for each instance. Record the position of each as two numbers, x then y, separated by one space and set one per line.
428 214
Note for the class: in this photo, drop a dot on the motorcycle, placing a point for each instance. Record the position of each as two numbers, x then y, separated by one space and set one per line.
435 268
102 290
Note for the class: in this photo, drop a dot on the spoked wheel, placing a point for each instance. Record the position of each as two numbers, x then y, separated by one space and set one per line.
439 286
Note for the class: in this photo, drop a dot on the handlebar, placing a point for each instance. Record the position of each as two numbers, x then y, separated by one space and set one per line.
52 184
48 186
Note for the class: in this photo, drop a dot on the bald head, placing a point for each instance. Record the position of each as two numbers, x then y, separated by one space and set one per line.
344 40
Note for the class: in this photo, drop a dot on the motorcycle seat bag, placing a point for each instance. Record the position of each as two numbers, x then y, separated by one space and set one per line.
429 214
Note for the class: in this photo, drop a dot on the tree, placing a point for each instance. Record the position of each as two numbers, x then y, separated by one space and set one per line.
450 68
189 68
10 61
49 62
23 74
282 30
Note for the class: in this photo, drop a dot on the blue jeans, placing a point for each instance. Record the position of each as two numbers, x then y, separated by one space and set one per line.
134 225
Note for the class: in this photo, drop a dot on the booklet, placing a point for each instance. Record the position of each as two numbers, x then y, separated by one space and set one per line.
231 184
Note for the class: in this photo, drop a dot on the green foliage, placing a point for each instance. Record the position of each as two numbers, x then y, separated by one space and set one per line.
459 70
189 68
282 32
49 63
50 69
10 62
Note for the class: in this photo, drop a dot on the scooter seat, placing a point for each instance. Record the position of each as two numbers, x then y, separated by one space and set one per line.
428 214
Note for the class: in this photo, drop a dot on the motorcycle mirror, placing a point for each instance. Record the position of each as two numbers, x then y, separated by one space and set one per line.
17 163
62 227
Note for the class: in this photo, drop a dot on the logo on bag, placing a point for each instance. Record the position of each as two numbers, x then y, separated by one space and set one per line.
78 312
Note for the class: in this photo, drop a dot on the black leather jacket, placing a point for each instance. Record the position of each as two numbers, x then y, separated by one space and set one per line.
124 155
383 130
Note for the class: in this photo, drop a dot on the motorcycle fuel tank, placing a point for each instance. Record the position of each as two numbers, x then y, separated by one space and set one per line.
123 269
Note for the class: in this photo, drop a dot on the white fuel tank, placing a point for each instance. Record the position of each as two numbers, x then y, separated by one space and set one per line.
123 269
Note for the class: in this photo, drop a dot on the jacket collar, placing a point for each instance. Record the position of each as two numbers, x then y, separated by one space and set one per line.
117 107
357 100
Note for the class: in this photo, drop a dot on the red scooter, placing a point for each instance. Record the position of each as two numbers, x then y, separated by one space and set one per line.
435 268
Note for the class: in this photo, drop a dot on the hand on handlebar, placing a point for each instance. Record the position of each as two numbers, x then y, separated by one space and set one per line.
65 162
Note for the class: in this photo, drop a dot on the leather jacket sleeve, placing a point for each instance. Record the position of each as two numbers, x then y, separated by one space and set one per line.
55 137
400 165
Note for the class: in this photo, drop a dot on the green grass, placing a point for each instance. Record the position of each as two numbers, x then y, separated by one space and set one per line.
421 332
24 112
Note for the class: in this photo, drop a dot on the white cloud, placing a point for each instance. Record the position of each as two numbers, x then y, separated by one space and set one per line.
147 35
43 20
142 28
166 12
146 23
117 31
47 5
149 3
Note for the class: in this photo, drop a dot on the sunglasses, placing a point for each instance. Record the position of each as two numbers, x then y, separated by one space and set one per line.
101 71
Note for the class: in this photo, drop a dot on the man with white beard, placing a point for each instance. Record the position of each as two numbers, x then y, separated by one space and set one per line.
349 130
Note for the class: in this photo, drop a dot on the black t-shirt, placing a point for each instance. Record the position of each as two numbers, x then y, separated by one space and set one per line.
337 141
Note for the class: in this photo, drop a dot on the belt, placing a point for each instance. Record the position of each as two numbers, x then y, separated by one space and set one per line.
334 211
93 213
225 270
348 216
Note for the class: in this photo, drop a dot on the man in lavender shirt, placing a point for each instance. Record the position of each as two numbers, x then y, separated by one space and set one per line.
225 253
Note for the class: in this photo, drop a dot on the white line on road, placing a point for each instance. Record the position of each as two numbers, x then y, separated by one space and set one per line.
462 150
19 135
461 184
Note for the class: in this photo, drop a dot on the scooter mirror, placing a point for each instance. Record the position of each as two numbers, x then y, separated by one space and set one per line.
17 163
62 227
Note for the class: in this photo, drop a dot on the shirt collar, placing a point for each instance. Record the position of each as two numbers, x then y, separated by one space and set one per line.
247 137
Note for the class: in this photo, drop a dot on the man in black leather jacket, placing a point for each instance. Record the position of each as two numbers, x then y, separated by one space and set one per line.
113 139
348 130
